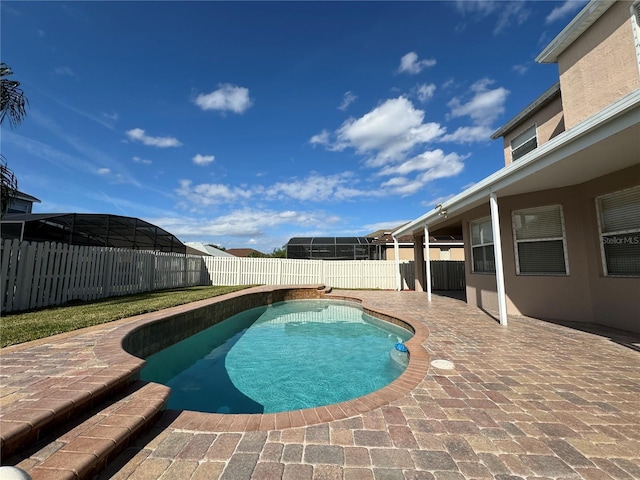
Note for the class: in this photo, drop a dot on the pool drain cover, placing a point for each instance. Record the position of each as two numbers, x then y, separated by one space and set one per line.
442 364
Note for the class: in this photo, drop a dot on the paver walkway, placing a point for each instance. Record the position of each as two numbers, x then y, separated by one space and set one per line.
531 400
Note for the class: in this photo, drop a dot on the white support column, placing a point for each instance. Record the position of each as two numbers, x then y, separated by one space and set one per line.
497 252
396 251
427 261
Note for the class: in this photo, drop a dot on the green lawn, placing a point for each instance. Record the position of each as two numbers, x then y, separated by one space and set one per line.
24 327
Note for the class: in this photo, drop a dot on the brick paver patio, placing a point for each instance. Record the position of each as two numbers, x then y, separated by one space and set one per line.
531 400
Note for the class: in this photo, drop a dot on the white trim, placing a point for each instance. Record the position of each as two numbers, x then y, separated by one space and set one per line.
635 28
497 249
427 262
396 251
580 23
603 124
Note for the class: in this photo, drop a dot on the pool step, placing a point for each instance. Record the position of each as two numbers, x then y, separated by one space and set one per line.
63 399
83 448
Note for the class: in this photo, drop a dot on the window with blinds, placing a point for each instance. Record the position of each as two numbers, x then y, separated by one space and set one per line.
524 143
540 243
483 257
619 221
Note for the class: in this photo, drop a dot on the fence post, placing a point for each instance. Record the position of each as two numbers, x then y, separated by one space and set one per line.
108 268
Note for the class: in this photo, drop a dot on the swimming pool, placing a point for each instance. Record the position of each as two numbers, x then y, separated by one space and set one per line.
286 356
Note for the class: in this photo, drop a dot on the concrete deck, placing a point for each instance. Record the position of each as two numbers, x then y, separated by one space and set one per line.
531 400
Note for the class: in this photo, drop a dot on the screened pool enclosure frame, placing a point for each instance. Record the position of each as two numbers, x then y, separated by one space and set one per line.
331 248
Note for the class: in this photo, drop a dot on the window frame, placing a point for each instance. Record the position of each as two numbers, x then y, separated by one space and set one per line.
534 129
517 241
484 244
601 234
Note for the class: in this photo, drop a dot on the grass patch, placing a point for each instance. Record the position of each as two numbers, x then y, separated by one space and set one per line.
24 327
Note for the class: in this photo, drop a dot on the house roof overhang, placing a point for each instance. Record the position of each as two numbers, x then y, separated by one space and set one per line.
578 155
581 22
550 94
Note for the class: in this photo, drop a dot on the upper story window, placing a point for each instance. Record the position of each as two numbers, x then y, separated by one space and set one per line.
524 143
619 222
540 241
483 256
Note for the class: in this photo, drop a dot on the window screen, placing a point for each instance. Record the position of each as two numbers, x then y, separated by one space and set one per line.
482 253
619 216
524 143
540 240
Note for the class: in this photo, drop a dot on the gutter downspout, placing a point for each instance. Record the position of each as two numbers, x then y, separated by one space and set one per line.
427 261
497 252
396 251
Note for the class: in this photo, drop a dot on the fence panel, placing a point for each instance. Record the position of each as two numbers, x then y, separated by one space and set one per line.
280 271
447 275
40 274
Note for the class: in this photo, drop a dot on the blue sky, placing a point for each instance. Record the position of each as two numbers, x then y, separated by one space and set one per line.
245 124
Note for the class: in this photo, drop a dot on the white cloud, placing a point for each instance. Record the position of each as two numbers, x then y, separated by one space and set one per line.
138 134
113 116
485 106
206 194
430 166
316 187
477 133
521 69
387 226
390 129
427 161
247 222
104 171
425 91
410 64
321 138
203 160
144 161
65 71
567 8
347 99
226 98
509 13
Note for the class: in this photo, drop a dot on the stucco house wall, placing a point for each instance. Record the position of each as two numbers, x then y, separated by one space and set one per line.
585 294
549 122
600 66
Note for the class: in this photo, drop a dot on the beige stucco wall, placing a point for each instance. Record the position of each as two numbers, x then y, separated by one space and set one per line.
585 295
549 121
406 253
600 67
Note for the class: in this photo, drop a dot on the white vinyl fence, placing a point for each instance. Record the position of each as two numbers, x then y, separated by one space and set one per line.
280 271
36 275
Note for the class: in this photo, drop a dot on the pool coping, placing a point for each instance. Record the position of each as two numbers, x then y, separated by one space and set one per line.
111 351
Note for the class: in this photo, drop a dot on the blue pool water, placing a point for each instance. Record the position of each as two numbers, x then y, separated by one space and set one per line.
287 356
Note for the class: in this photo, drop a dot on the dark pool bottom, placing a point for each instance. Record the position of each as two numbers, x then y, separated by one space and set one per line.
287 356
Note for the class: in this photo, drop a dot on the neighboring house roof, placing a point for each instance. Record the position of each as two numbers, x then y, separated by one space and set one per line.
25 196
587 17
535 106
207 249
573 157
90 229
243 252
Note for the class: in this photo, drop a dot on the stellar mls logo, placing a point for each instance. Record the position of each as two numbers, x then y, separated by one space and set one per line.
622 240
